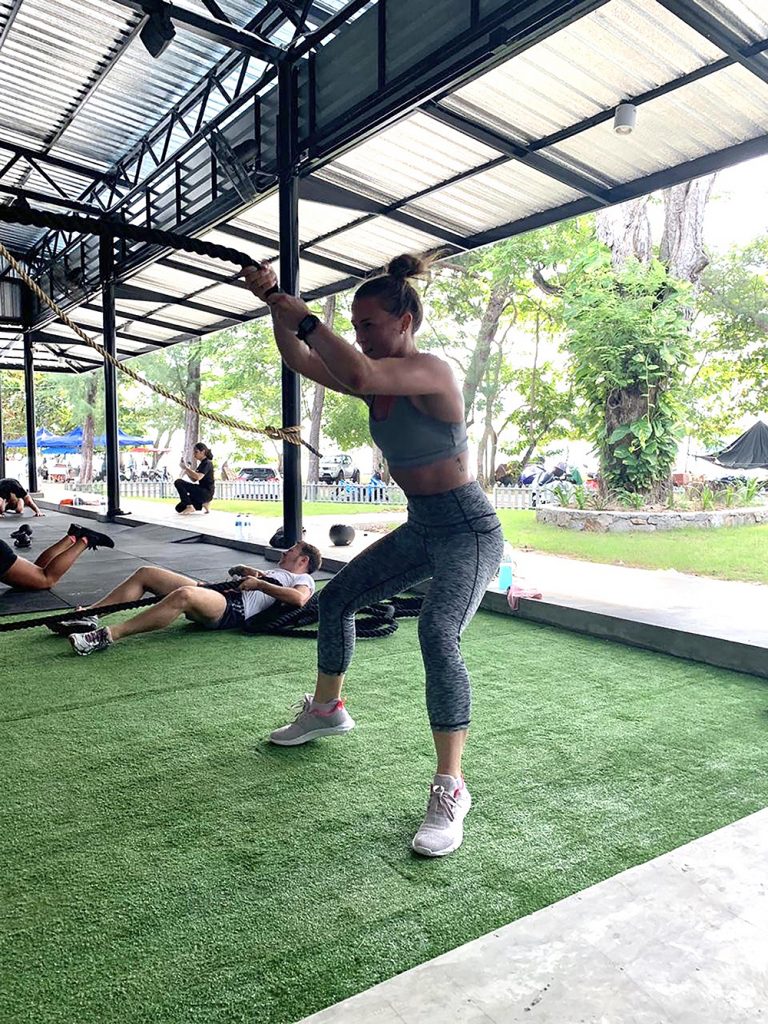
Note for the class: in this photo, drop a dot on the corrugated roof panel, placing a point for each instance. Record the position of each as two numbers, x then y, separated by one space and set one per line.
232 299
313 277
373 244
493 197
51 56
315 219
620 50
412 155
677 127
137 92
748 19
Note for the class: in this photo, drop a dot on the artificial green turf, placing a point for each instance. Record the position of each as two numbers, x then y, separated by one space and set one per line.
162 863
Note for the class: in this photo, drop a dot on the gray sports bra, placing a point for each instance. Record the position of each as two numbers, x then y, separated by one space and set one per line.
408 437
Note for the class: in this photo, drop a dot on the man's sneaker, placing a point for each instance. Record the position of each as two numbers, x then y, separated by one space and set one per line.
22 530
95 540
74 531
442 830
313 721
82 624
87 643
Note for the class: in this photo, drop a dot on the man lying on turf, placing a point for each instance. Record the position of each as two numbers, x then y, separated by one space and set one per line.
53 563
291 583
14 497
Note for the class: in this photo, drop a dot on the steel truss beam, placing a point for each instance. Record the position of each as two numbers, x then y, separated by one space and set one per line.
43 197
34 157
209 28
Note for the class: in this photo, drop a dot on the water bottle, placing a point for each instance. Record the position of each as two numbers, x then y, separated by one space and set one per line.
239 526
505 569
246 526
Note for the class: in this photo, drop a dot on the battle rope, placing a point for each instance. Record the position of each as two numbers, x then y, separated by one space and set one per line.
290 434
376 620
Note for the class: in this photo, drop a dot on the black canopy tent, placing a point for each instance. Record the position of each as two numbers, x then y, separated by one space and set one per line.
748 451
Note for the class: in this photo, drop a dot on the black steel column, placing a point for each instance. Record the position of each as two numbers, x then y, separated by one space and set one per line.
107 275
2 436
287 129
27 314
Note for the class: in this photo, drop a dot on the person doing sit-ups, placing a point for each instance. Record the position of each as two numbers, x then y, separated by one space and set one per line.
51 565
289 582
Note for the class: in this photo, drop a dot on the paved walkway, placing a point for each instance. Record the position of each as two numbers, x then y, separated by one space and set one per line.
682 939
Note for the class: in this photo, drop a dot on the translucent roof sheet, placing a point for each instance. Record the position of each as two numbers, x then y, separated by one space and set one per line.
509 149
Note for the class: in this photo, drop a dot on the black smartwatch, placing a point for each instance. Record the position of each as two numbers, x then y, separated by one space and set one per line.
306 326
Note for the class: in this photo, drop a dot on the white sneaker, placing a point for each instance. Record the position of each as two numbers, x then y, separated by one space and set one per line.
442 830
312 722
97 640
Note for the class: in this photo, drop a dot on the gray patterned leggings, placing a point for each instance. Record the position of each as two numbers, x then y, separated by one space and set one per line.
455 538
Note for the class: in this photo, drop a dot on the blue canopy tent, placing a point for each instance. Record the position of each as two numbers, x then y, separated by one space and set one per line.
42 436
124 440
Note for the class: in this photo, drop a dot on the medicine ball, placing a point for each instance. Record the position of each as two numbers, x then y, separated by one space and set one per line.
341 535
277 540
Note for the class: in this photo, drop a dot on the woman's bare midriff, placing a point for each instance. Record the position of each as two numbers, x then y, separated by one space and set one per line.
437 478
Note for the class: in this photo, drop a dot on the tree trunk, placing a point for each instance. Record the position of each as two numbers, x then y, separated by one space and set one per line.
682 244
86 452
192 394
478 365
313 469
626 230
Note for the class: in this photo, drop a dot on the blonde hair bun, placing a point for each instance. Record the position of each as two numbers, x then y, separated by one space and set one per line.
408 265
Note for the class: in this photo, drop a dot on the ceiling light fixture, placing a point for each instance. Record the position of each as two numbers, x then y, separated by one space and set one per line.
624 119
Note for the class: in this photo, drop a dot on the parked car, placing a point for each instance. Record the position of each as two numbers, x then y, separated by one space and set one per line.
258 482
268 474
334 468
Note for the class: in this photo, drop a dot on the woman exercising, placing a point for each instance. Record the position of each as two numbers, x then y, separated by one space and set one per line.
51 565
197 491
416 416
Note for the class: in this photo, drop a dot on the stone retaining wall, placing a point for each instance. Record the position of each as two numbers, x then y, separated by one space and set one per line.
648 522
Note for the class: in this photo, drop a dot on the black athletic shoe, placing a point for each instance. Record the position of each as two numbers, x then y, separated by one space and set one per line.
23 541
95 540
79 624
22 530
74 531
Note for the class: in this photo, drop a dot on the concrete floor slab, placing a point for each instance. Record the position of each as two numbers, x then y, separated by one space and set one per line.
682 939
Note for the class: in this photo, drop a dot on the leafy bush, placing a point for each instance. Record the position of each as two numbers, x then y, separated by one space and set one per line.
630 345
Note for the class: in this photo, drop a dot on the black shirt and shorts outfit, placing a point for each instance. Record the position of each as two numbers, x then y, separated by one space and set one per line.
199 493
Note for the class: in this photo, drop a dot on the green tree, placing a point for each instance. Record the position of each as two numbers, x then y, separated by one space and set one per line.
629 338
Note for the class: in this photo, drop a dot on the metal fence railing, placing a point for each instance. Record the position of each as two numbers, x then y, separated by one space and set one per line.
513 497
252 490
341 493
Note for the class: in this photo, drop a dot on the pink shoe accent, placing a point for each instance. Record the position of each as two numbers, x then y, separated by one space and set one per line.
338 705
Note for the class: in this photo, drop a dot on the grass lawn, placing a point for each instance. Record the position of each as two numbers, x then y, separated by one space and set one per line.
163 863
729 553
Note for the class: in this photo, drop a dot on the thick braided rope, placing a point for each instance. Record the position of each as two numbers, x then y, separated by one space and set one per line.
122 229
290 434
70 613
